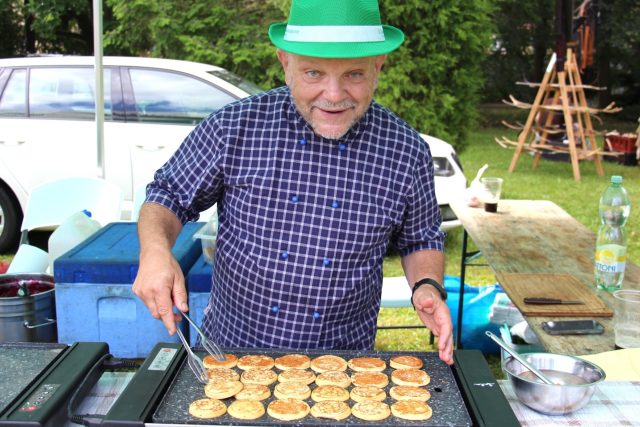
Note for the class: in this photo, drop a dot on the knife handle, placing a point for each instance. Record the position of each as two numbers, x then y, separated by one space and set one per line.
540 300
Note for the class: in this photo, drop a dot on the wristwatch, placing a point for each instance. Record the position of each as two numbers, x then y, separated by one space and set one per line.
432 282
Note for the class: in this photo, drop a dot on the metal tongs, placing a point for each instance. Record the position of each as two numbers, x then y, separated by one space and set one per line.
195 363
210 346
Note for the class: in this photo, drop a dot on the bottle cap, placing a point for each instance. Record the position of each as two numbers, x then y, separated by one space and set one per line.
616 179
88 212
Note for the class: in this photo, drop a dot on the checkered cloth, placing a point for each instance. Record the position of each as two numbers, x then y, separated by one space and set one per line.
614 403
304 221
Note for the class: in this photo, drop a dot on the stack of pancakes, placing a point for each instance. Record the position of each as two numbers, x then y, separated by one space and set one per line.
334 387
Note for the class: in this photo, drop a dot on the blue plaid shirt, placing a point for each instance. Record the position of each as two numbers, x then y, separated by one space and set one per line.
304 221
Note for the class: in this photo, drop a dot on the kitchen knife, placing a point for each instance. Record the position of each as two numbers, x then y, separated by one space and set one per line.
549 301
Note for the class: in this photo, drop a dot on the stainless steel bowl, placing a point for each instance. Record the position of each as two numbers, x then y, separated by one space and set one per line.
575 379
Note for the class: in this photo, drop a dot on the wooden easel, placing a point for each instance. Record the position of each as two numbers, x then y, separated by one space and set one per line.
560 91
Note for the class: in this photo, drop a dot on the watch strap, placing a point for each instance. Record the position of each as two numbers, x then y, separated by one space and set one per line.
432 282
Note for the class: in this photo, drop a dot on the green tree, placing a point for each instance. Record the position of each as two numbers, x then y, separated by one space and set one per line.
228 33
434 80
60 26
11 28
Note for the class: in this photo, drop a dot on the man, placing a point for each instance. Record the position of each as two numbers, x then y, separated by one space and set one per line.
313 180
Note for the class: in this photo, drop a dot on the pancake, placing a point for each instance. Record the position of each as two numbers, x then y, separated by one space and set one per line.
293 361
259 376
331 409
288 409
369 392
414 377
207 408
371 410
376 379
408 392
253 392
411 410
218 374
210 362
329 392
328 362
297 375
405 362
339 378
292 391
255 361
222 389
367 364
246 409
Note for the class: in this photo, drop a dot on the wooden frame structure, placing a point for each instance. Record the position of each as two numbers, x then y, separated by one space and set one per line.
561 90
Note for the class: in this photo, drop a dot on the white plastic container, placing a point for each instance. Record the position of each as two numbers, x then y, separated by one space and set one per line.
74 230
29 259
208 234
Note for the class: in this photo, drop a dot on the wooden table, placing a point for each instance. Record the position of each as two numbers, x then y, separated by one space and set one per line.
537 236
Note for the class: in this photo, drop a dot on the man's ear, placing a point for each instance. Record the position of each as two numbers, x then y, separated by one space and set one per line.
283 57
379 62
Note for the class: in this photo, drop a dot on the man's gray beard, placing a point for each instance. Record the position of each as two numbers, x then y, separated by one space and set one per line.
306 114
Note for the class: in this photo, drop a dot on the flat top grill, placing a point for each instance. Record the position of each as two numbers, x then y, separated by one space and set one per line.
21 364
446 400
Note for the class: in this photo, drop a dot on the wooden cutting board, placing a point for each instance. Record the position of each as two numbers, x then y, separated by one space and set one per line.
563 286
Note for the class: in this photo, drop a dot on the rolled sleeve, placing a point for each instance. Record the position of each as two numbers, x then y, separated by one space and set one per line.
191 180
421 225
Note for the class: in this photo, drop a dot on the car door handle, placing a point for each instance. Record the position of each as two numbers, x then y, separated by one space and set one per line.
150 147
12 143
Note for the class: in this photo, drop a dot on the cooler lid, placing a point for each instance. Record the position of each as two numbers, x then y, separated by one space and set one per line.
199 277
111 255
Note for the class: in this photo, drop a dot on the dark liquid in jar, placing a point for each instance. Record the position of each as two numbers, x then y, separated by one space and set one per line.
491 207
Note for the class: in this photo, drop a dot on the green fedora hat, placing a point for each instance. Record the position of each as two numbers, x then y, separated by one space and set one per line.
335 29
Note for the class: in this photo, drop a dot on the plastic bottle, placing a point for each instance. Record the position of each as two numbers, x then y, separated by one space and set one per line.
611 245
74 230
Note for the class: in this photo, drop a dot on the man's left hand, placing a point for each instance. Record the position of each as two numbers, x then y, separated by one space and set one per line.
435 315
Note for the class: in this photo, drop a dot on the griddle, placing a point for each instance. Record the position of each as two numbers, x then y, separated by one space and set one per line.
22 364
458 399
38 380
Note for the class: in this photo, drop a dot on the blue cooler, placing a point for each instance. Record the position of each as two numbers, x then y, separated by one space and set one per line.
199 286
94 300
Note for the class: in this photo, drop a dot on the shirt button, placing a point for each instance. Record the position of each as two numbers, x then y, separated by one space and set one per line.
295 199
316 315
326 262
342 146
303 141
335 204
275 309
284 255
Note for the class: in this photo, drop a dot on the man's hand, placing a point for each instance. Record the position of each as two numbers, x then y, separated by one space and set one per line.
160 282
160 285
435 315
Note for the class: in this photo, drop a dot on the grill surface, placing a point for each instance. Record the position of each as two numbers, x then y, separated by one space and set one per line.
21 364
446 401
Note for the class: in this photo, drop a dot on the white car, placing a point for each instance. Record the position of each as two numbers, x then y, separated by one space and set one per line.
47 127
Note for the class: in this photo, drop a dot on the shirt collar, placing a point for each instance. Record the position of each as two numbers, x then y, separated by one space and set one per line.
353 134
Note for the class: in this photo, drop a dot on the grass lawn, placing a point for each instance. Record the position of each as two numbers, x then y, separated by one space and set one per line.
552 180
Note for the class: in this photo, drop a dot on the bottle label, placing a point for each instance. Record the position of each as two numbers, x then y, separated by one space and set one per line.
610 258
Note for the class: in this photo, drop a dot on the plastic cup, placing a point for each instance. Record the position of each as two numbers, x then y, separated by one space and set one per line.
626 318
29 259
491 195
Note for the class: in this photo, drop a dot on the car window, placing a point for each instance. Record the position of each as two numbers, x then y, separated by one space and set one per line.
13 99
67 93
167 97
249 87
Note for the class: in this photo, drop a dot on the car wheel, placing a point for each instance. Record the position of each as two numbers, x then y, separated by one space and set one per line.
10 220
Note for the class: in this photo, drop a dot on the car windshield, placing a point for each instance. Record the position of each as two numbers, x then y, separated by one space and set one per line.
236 80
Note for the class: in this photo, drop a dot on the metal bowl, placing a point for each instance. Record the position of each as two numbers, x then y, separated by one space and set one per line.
575 382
